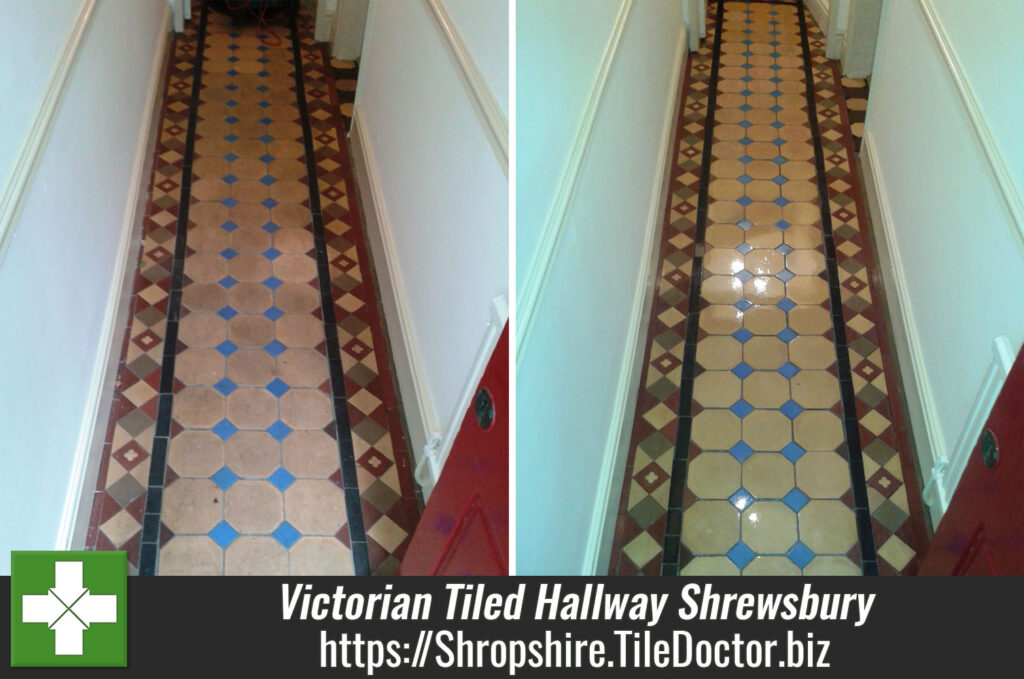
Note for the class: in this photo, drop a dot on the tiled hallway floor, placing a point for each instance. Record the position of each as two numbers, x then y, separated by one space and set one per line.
767 438
256 428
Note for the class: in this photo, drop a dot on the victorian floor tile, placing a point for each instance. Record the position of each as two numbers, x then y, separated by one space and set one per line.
768 436
255 427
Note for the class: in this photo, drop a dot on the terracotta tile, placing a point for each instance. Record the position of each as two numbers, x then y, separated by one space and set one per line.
719 353
320 556
192 505
768 475
815 389
709 566
251 367
199 366
302 367
771 565
768 527
196 453
765 389
710 527
306 409
831 565
204 297
813 352
721 319
249 240
809 320
295 298
764 319
255 555
714 476
315 507
764 353
716 429
191 555
767 430
827 527
716 389
310 454
807 290
818 430
823 475
295 268
293 241
252 454
198 407
247 330
294 330
253 506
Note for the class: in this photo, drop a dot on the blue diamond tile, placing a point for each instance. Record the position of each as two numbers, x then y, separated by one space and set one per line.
783 224
745 124
788 370
273 313
229 226
742 335
230 157
229 202
231 137
224 430
266 139
227 347
264 74
741 408
228 253
225 386
227 313
230 179
792 452
742 370
741 451
746 107
791 409
784 249
743 305
785 275
281 479
746 141
231 87
744 224
744 275
227 282
232 59
265 120
800 555
786 304
787 335
275 348
267 179
278 387
744 248
279 430
778 141
746 93
781 202
271 253
745 179
745 159
795 499
224 477
262 88
273 282
775 109
741 499
267 158
269 203
223 534
286 535
778 160
744 200
775 93
231 102
740 555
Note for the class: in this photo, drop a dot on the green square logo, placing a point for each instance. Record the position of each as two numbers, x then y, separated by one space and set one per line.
69 609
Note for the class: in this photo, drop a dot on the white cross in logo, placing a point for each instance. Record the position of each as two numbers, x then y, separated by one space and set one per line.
68 608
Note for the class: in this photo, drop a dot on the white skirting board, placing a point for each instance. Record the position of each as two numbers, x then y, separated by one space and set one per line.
601 531
431 439
941 464
78 504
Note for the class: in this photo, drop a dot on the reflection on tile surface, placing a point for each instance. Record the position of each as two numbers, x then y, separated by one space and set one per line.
765 475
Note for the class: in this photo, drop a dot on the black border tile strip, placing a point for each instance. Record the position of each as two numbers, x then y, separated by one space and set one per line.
150 544
346 451
684 423
869 559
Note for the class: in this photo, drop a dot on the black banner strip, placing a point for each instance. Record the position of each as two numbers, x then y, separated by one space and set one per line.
346 451
869 559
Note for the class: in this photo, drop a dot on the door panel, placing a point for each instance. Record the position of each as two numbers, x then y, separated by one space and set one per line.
982 532
464 528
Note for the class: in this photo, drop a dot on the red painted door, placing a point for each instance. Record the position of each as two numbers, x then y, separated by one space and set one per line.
982 531
464 527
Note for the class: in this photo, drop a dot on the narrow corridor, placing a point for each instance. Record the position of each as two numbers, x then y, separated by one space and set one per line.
768 436
255 426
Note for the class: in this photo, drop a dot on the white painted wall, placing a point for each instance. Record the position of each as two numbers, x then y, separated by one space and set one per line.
955 272
57 279
438 197
576 383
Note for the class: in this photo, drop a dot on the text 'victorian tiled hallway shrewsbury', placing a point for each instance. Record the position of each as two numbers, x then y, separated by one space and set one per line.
768 437
255 426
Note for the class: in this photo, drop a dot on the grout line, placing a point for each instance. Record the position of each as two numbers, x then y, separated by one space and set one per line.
677 482
149 547
346 451
869 563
